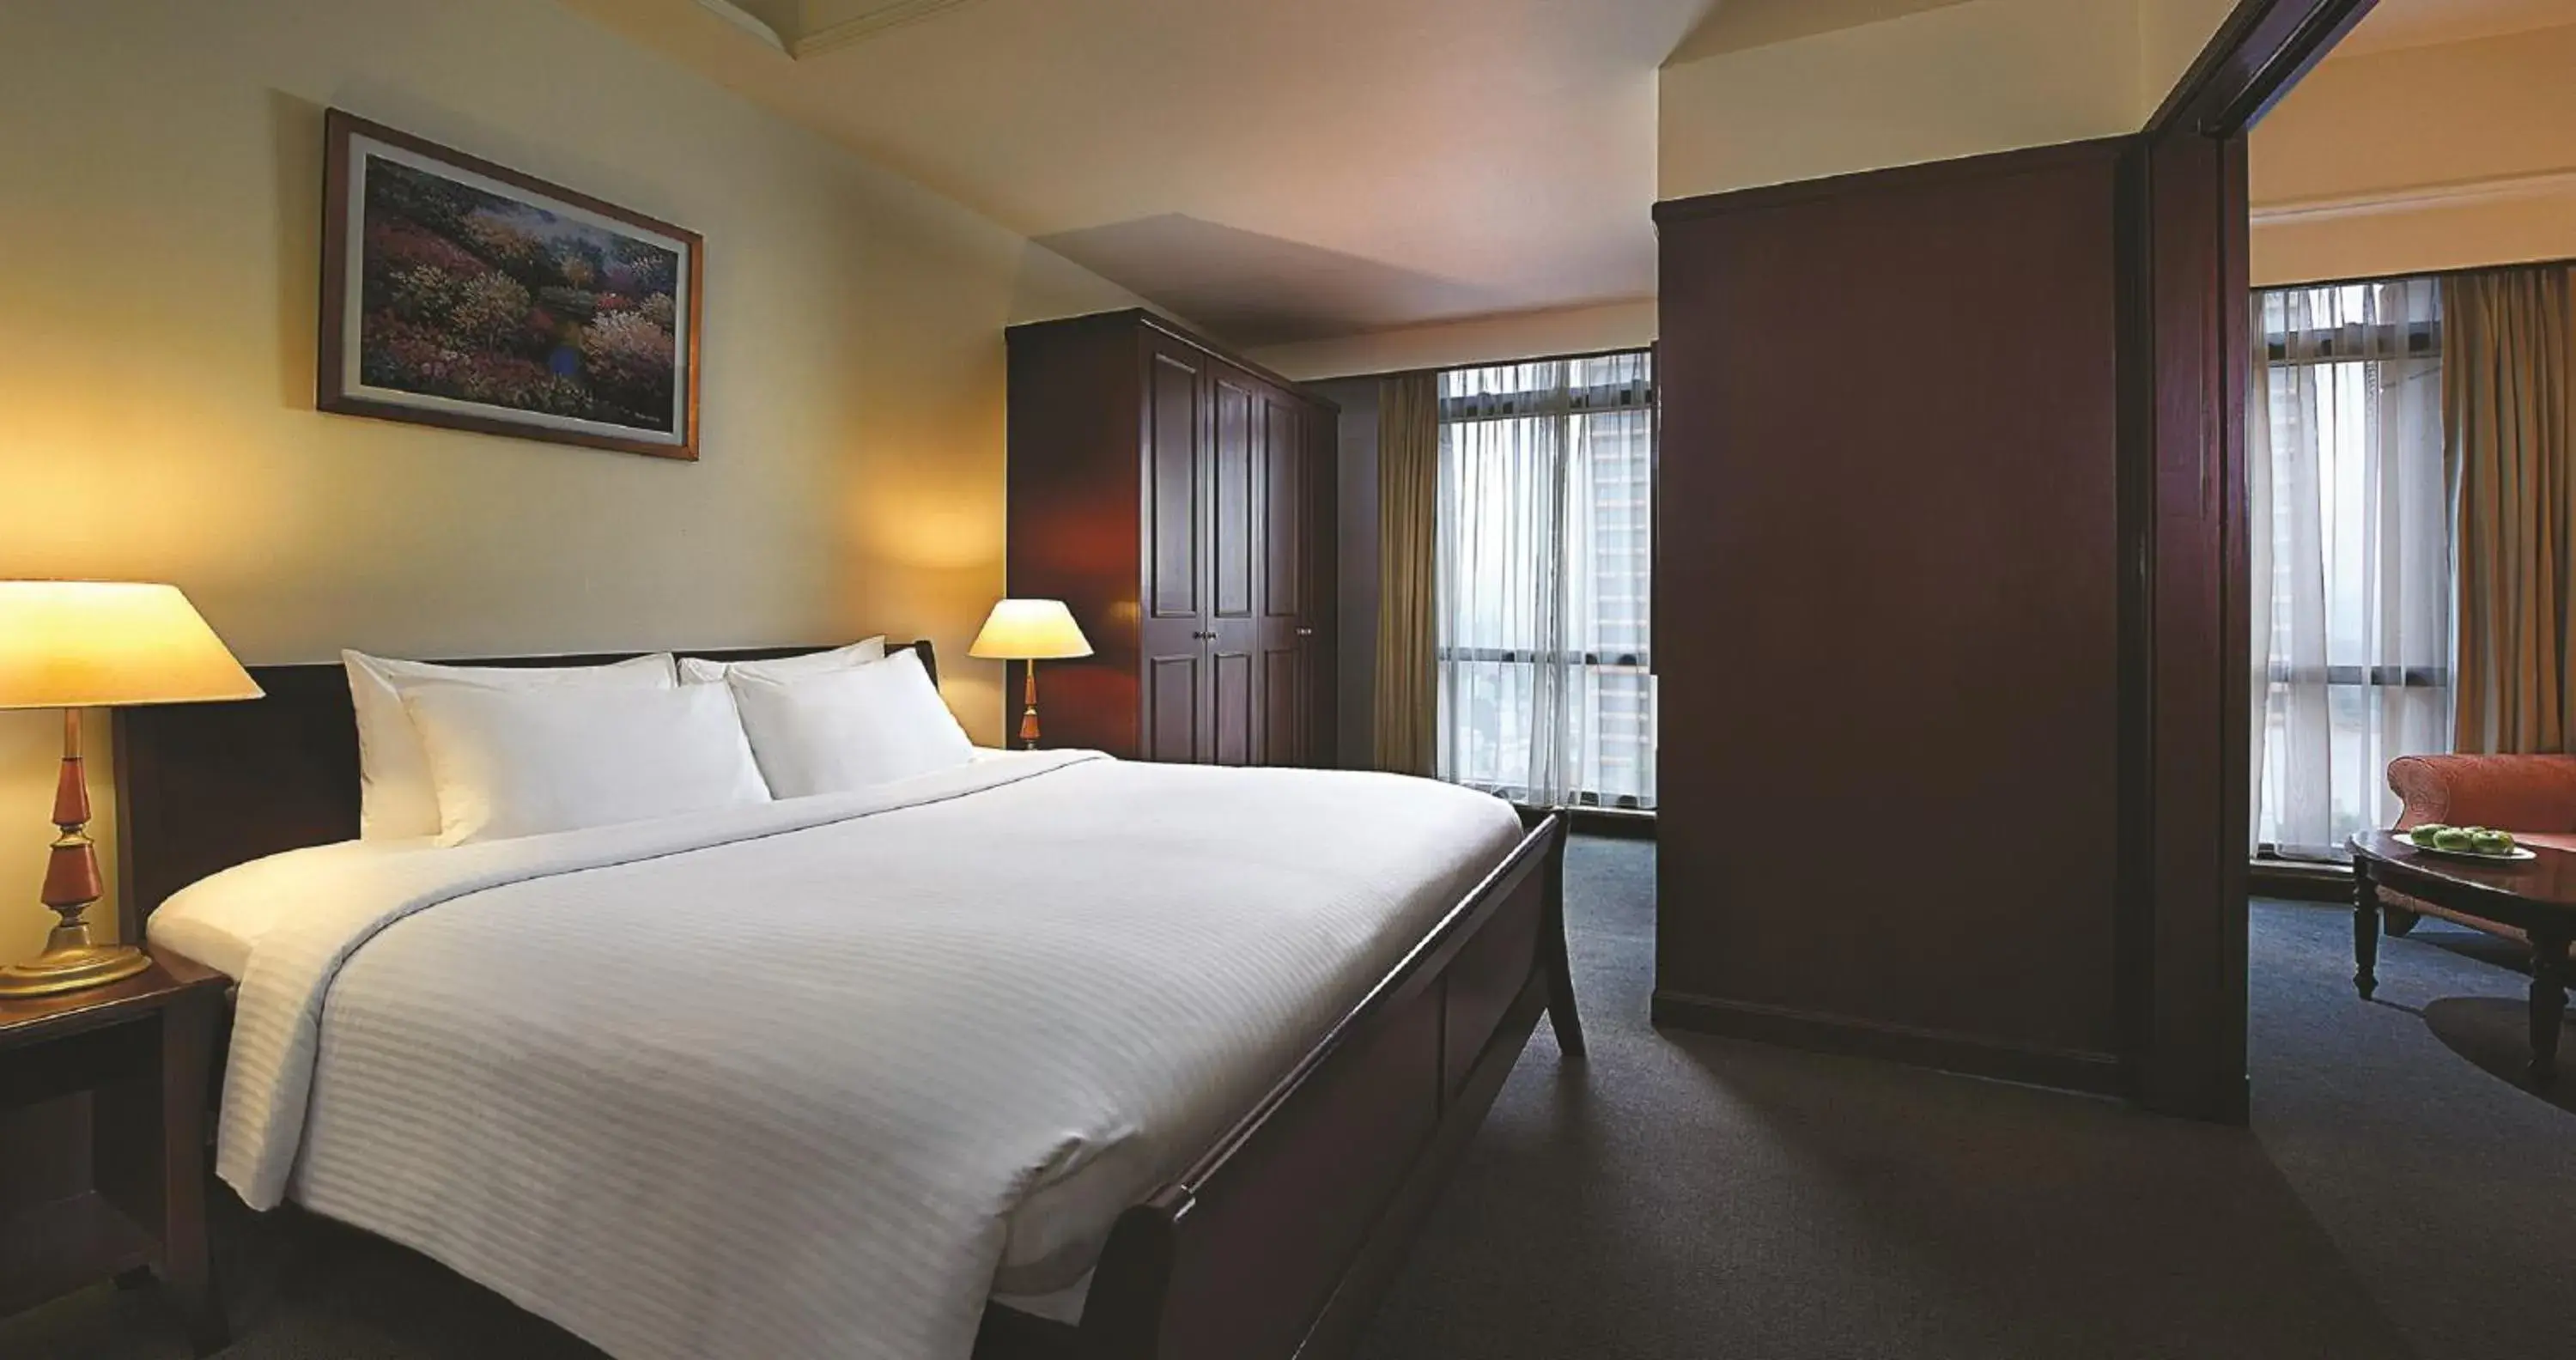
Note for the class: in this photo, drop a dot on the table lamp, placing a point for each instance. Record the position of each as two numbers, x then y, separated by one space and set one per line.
94 644
1030 631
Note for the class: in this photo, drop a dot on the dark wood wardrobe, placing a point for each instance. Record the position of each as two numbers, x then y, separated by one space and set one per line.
1180 501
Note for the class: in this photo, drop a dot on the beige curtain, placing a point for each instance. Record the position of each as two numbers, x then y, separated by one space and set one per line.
2508 366
1408 493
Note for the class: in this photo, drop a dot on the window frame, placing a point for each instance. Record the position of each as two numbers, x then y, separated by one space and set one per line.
1595 400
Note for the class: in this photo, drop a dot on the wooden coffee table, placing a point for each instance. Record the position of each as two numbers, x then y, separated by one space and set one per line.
2534 896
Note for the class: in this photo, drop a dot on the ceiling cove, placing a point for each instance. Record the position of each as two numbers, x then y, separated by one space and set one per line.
805 28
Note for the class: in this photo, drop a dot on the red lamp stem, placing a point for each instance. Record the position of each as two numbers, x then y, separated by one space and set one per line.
1029 706
71 790
71 872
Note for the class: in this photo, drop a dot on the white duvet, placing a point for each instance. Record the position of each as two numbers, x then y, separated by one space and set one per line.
813 1078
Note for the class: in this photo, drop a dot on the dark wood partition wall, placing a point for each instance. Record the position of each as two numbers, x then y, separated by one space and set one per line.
1951 607
1888 614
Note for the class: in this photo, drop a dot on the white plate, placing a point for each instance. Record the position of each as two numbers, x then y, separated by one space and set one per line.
2514 856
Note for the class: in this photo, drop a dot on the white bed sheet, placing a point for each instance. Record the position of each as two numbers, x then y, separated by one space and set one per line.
817 1077
220 929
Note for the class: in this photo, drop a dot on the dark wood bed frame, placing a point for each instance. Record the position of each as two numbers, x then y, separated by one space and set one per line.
1277 1242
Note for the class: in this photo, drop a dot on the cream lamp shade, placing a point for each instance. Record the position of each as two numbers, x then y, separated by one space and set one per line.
96 644
1030 630
100 644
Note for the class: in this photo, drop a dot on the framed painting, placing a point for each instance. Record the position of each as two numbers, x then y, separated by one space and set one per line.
456 292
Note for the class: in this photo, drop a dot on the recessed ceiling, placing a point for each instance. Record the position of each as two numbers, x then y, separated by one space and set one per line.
1738 25
2393 24
1276 170
804 28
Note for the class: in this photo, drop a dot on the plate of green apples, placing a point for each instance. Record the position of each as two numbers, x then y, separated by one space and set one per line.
2465 842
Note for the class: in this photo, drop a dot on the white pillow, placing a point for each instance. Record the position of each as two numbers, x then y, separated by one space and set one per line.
695 670
847 729
525 762
395 799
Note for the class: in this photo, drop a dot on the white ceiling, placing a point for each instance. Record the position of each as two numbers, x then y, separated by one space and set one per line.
1276 171
1736 25
2422 23
1281 170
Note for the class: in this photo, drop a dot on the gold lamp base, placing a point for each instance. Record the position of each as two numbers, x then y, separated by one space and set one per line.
71 962
73 958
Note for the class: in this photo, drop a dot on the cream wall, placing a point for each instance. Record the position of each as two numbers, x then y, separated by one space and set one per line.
2171 36
2418 159
163 163
1955 80
1477 340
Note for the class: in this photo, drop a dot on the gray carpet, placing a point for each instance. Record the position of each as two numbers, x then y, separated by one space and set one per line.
2447 1186
1689 1197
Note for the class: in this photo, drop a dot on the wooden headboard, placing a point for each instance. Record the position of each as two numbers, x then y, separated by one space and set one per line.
203 787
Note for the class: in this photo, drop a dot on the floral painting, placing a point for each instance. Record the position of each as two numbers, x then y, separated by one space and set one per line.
471 296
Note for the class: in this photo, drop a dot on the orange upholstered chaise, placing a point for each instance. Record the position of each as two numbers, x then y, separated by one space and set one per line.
2533 796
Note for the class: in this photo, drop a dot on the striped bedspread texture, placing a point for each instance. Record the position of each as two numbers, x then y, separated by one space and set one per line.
817 1077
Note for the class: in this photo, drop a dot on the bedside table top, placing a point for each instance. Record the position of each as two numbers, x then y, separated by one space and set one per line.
170 978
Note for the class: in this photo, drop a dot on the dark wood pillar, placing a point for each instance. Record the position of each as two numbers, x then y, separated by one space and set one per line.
2186 761
2187 710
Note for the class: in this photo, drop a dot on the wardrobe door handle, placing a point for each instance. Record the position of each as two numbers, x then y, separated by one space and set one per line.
1204 637
1305 632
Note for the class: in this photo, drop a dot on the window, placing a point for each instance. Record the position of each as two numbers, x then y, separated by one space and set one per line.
1546 551
2354 620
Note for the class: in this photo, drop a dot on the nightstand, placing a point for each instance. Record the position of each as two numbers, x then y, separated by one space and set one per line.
103 1140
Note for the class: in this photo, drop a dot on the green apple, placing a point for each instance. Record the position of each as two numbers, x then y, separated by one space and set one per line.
2428 834
2453 838
2492 842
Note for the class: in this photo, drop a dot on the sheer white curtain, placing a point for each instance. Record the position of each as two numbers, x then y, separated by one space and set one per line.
1545 519
2355 625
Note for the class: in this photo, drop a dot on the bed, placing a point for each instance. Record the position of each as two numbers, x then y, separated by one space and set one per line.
1166 1131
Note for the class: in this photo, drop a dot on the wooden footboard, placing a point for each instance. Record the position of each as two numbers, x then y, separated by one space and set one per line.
1280 1239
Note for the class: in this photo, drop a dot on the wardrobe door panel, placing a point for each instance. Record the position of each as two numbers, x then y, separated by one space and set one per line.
1233 546
1322 616
1286 700
1174 706
1284 510
1287 692
1172 487
1237 700
1174 696
1234 543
